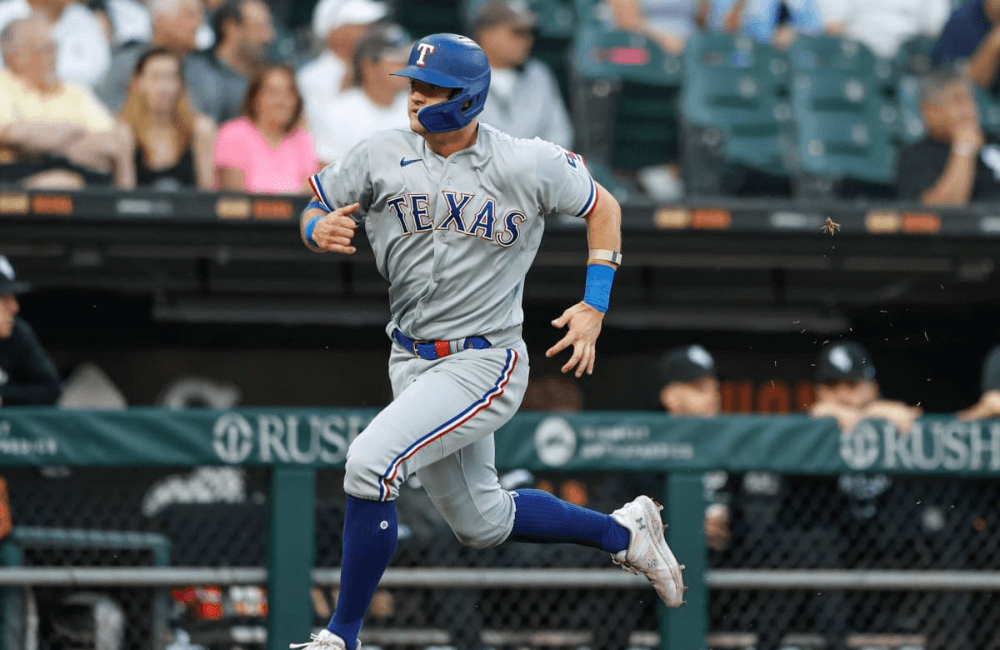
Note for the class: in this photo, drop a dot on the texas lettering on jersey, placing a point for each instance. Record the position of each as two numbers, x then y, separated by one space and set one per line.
465 215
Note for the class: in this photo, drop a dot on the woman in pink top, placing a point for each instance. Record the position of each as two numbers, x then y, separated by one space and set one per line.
266 151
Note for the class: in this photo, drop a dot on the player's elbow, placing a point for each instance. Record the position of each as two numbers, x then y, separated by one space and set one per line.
607 210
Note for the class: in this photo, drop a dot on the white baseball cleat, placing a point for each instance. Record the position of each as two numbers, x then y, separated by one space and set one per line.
648 551
323 640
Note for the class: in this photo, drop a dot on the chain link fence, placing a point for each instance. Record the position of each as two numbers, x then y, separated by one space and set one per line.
217 517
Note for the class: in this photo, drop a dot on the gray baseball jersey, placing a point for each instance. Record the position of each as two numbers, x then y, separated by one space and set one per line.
455 236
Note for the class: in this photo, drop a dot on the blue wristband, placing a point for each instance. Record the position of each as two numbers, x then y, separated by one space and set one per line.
312 226
598 292
312 222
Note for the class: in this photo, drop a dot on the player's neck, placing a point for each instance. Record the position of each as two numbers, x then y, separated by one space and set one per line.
449 142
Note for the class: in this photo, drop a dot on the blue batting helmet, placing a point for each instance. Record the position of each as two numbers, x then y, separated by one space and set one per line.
450 61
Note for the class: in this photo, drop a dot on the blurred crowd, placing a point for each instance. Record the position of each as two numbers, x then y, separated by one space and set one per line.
170 94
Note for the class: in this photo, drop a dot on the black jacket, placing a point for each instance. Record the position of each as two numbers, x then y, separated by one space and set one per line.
27 373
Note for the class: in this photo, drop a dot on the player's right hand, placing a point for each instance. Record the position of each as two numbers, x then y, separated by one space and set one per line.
335 231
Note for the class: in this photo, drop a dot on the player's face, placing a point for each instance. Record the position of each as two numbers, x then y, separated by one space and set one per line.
852 394
8 308
160 83
424 94
699 398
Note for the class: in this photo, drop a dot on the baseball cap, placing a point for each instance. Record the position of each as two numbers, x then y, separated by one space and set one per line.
991 370
844 361
504 12
331 14
688 363
8 281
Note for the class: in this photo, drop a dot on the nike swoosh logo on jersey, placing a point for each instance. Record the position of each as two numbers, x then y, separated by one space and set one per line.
403 162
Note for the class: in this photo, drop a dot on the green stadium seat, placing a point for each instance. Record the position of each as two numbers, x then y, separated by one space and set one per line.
989 112
840 147
844 132
837 91
914 56
734 110
830 53
627 56
910 120
592 14
624 98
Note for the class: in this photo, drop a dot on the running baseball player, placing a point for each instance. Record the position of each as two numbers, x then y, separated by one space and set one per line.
454 211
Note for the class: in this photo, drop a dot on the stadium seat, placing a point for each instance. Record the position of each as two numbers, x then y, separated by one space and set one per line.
844 132
911 123
831 53
839 146
914 56
592 14
625 91
733 109
989 112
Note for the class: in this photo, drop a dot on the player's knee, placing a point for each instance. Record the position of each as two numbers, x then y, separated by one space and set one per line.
480 536
360 477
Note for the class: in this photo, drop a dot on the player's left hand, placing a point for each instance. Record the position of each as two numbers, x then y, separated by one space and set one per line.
584 324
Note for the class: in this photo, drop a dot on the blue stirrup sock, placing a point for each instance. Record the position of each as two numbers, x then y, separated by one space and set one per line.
542 518
370 534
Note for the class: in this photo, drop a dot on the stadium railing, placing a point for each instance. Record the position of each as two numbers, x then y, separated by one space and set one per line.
951 464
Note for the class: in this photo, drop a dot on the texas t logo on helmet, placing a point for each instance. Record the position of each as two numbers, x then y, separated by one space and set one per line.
425 49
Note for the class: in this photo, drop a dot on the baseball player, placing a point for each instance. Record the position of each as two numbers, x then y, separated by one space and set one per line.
454 211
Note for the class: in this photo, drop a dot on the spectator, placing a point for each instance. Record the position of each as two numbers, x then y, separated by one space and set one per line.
123 20
690 385
884 26
338 25
53 133
768 21
84 53
266 150
955 163
988 405
173 142
846 390
524 98
27 374
668 22
374 102
205 38
175 24
973 33
243 32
